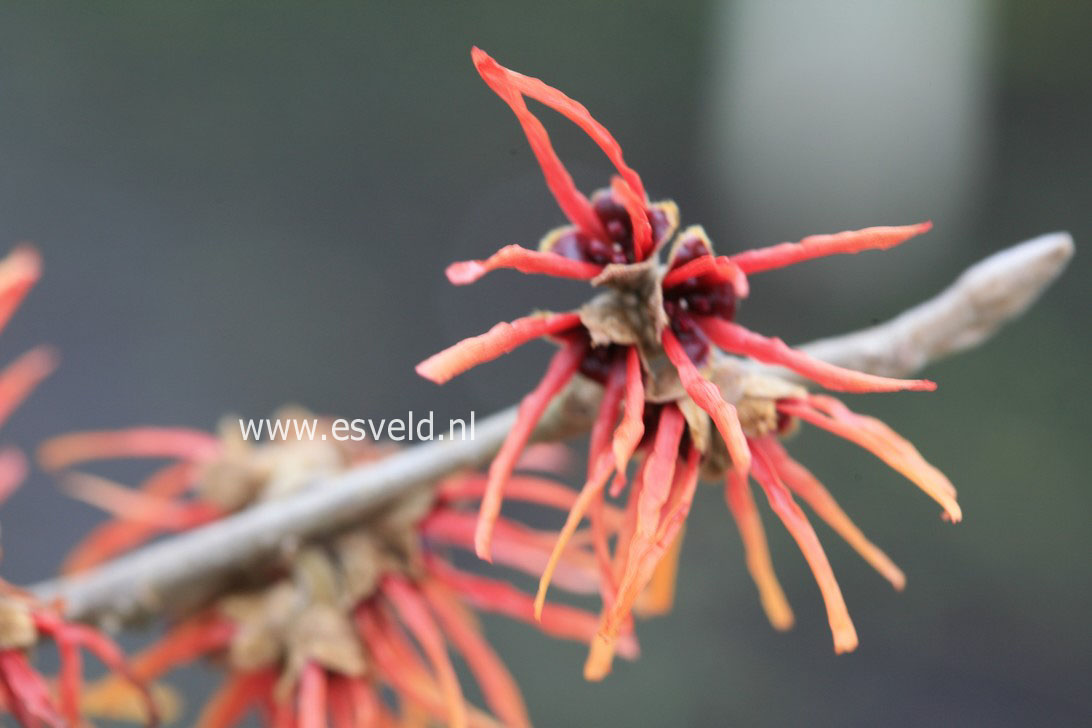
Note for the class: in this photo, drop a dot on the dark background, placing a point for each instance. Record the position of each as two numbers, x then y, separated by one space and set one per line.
243 205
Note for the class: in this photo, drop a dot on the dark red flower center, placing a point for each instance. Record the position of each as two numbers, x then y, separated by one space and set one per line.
599 360
619 247
696 297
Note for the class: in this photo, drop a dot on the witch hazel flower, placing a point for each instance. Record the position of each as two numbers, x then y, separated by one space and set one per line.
20 269
29 697
330 633
32 699
679 393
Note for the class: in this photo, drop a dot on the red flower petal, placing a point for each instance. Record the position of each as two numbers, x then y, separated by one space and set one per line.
599 470
28 695
515 546
735 339
592 488
756 550
311 707
572 202
120 535
147 442
879 439
636 208
632 427
576 112
19 271
817 246
645 561
562 367
182 644
525 261
499 688
706 395
500 597
20 378
230 703
782 503
413 612
499 340
138 506
715 269
804 484
13 470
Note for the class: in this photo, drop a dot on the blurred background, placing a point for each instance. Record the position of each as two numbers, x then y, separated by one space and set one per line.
242 205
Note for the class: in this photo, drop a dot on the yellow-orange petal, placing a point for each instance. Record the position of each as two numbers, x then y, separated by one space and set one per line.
879 439
807 486
782 503
499 340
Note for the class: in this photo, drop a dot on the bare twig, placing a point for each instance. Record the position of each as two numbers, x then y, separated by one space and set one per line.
965 314
182 569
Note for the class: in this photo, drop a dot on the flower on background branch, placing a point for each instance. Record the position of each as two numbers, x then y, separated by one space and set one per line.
679 395
25 693
353 629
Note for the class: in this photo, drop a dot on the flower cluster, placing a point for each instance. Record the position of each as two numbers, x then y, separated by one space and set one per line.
335 629
678 391
24 692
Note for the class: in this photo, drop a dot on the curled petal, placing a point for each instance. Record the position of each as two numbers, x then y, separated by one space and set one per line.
519 258
572 202
782 503
737 493
735 339
138 442
561 369
879 439
817 246
575 112
706 395
499 340
804 484
715 269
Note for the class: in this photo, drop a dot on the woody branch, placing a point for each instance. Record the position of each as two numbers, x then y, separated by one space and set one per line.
184 570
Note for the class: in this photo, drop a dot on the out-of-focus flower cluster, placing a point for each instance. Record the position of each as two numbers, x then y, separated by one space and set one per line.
354 629
679 392
25 693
